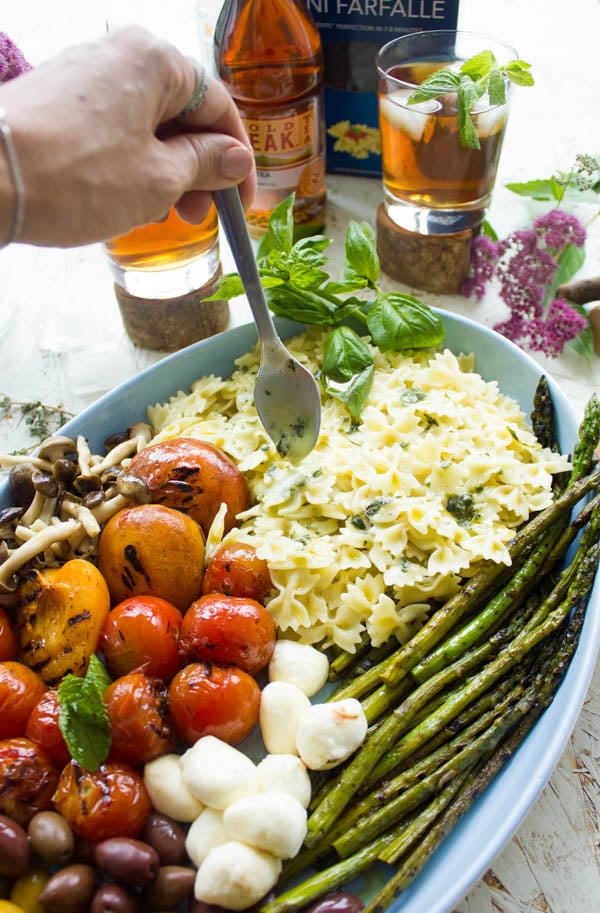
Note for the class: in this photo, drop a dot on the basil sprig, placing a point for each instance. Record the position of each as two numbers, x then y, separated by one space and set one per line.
83 718
478 75
298 286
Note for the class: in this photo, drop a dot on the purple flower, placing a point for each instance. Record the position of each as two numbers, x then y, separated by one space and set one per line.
12 61
557 228
561 325
484 254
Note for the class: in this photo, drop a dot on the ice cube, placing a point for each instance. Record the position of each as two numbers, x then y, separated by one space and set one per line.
411 119
488 120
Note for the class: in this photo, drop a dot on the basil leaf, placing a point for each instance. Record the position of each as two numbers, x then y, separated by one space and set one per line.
355 392
230 286
361 252
302 305
397 322
280 233
83 718
346 354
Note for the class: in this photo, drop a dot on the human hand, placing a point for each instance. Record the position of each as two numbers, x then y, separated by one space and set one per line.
102 148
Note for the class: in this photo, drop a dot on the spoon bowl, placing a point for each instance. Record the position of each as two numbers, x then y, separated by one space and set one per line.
286 394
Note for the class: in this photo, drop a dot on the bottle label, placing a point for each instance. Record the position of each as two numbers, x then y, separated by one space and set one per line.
287 139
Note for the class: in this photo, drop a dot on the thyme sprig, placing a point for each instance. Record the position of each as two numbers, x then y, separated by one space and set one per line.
40 418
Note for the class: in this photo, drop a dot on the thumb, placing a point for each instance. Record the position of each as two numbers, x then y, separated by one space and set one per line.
211 161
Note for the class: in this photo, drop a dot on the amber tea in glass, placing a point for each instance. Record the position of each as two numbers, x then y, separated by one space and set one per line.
166 259
432 183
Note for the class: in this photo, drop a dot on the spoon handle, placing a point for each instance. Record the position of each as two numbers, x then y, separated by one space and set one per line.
231 213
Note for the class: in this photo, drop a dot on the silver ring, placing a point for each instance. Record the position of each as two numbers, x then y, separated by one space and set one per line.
200 89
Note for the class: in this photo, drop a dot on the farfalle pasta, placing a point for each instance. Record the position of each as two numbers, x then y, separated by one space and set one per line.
385 517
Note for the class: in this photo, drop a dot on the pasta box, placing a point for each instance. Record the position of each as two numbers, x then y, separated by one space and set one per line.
352 32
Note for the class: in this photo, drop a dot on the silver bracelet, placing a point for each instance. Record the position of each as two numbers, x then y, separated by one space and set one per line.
16 178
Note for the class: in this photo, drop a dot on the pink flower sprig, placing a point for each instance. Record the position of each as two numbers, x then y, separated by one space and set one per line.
12 60
526 264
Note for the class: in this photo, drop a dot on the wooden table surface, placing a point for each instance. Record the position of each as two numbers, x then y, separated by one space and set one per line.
62 341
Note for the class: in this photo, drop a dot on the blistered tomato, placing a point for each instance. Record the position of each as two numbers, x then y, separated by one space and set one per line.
142 632
8 638
236 570
230 630
27 780
111 801
139 718
20 690
43 729
208 699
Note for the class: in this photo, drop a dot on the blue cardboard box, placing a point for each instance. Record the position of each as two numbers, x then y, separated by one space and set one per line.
352 32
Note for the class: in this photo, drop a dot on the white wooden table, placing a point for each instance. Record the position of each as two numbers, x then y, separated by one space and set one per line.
62 341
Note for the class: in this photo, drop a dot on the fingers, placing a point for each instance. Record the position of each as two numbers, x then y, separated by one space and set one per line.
212 161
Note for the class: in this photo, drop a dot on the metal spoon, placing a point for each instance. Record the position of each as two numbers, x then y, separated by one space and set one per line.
286 394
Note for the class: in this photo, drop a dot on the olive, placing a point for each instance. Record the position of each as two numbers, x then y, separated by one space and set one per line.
114 898
14 848
128 861
70 890
170 887
51 837
166 836
26 890
340 902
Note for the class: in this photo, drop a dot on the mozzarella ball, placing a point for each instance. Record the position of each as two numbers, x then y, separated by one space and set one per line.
217 773
205 833
169 794
300 665
330 733
281 706
285 773
235 876
273 822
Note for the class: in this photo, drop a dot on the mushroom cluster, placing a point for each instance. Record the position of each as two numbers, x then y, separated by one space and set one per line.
61 498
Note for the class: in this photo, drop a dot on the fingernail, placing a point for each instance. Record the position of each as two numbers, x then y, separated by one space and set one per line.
236 163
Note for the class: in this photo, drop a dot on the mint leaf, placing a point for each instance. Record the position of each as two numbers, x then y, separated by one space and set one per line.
441 82
570 261
398 322
467 97
496 87
83 717
536 190
518 72
478 67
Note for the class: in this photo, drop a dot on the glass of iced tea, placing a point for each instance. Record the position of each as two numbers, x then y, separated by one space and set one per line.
433 184
162 272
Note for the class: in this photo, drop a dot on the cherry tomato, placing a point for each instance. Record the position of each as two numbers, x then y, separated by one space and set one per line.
20 690
236 570
42 728
207 699
229 629
142 632
139 718
111 801
27 780
8 638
